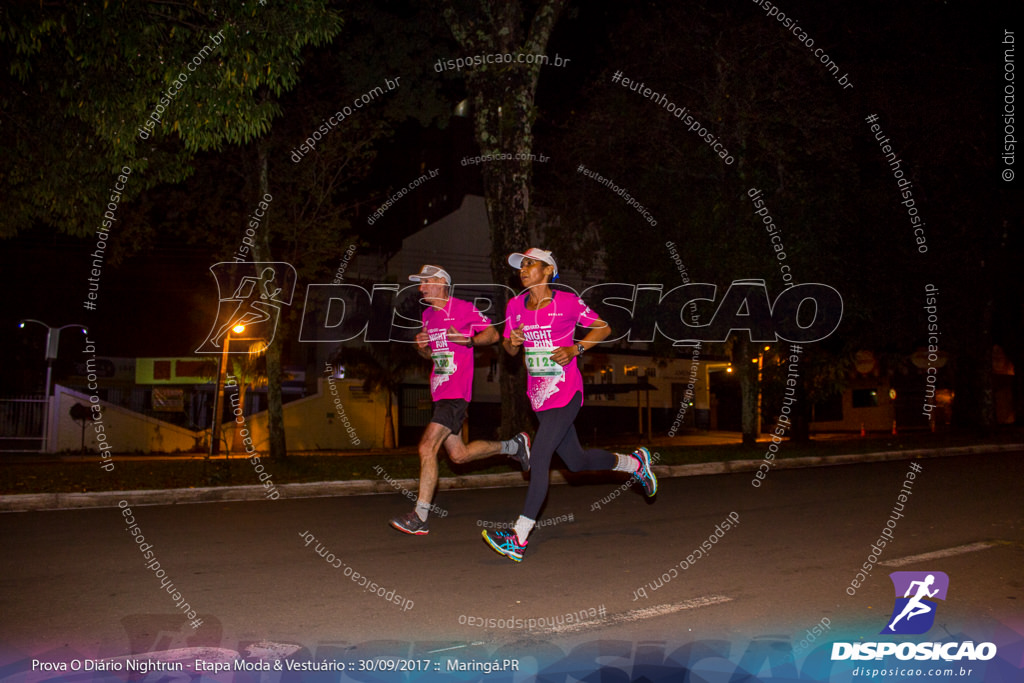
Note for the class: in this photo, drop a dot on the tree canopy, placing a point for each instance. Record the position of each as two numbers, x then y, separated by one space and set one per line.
139 84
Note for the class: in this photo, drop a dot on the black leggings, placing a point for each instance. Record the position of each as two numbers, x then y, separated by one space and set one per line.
557 433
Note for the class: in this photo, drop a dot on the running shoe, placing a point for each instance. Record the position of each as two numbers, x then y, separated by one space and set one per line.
411 523
506 543
522 455
645 475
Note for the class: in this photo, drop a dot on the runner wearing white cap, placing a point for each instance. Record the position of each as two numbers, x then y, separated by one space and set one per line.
451 328
541 322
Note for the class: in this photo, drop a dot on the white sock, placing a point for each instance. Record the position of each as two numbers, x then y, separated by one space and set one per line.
626 463
524 525
422 510
510 447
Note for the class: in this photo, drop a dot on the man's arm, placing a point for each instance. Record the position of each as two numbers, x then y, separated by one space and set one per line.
485 338
423 344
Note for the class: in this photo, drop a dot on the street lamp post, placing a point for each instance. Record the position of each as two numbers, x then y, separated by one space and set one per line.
221 379
52 347
218 397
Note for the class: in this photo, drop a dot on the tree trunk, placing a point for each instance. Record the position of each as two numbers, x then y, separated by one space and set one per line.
389 421
743 353
1012 352
974 407
504 112
275 403
236 436
504 125
801 429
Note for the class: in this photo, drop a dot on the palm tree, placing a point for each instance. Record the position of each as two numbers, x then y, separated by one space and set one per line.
251 371
382 367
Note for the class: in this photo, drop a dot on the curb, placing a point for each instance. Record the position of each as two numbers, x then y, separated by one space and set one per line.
213 494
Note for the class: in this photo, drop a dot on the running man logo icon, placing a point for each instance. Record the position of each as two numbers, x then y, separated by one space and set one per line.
914 611
256 293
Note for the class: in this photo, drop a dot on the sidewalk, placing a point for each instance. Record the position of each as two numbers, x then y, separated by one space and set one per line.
100 499
699 439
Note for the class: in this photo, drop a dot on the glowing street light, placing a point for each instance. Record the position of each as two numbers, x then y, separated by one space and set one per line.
218 397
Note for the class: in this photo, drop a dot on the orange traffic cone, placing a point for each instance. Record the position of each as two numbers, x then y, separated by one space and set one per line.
862 432
894 432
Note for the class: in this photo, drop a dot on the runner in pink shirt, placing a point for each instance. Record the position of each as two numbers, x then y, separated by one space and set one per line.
451 328
541 323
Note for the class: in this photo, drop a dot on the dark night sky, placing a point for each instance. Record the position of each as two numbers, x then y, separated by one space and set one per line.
152 304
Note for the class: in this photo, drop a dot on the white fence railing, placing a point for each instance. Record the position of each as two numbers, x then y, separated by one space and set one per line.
23 424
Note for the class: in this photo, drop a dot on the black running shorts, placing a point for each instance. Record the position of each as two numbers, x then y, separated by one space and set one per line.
450 413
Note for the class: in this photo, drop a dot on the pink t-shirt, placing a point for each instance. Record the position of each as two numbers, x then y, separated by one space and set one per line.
452 376
549 385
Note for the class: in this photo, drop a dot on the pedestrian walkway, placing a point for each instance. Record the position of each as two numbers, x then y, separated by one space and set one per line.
99 499
716 438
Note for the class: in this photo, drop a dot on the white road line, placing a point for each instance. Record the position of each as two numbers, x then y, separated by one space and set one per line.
638 614
455 647
266 650
938 554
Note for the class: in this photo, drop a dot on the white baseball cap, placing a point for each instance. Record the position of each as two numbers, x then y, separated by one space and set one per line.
429 271
516 260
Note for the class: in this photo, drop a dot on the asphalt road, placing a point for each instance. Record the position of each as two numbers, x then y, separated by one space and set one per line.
74 581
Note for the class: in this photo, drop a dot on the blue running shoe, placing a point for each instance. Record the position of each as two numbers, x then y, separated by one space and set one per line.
506 543
645 475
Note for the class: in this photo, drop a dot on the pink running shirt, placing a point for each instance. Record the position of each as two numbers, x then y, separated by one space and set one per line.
549 385
452 376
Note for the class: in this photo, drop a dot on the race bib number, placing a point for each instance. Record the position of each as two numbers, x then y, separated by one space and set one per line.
539 363
444 362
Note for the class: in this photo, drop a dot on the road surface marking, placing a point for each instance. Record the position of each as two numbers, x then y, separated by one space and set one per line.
266 650
938 554
638 614
455 647
187 656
